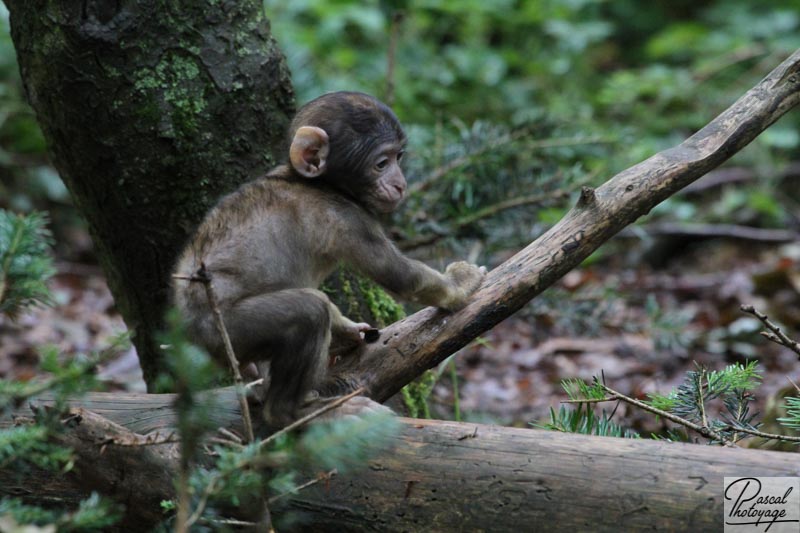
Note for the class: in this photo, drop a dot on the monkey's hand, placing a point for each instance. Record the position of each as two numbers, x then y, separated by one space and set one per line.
347 329
466 278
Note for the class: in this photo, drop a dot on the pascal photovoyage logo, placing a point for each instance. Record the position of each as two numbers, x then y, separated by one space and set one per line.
762 504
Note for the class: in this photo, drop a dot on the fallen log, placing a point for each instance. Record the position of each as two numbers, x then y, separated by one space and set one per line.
448 476
433 476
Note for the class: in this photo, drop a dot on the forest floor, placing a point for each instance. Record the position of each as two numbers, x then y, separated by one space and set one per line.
641 327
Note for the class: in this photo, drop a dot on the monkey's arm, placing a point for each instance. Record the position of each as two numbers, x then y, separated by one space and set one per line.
377 257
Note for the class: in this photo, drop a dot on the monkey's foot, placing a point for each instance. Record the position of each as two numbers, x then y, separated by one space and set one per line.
354 331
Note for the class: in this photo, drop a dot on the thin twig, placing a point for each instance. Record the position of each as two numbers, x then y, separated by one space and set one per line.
212 485
228 522
763 435
727 60
230 435
523 200
182 518
701 402
704 431
394 30
325 476
183 521
201 505
593 400
775 334
226 442
202 276
304 420
619 397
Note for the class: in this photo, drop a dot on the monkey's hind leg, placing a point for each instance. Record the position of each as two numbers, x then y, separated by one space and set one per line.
291 329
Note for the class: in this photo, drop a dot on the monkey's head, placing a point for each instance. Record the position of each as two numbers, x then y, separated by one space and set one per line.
354 142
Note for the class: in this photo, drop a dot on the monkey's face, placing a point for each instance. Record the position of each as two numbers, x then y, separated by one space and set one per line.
388 184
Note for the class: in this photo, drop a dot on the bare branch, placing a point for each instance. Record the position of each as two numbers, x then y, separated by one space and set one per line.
775 334
710 231
771 436
391 54
428 337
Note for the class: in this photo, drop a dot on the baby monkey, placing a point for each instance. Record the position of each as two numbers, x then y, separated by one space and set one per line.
270 244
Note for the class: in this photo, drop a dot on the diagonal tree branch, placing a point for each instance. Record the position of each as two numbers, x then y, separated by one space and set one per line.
426 338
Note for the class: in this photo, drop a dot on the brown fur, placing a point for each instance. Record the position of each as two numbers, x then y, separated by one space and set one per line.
270 244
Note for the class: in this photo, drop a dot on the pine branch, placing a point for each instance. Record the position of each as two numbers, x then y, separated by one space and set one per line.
704 431
25 264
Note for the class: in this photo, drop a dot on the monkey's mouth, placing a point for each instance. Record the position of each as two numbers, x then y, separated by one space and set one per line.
387 206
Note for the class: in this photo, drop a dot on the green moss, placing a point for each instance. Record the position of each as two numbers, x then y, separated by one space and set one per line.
243 41
345 292
350 299
385 309
174 83
416 394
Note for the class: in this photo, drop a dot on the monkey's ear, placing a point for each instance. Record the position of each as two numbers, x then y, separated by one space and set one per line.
309 151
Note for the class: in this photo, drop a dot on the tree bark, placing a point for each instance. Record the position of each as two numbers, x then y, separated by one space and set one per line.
433 476
151 109
447 476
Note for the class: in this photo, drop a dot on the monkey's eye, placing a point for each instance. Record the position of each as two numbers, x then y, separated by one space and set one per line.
400 155
382 164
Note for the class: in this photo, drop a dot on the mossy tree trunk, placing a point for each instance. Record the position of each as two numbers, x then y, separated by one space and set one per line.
152 109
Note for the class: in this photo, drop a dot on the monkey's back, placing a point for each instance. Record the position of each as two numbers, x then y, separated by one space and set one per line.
272 233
